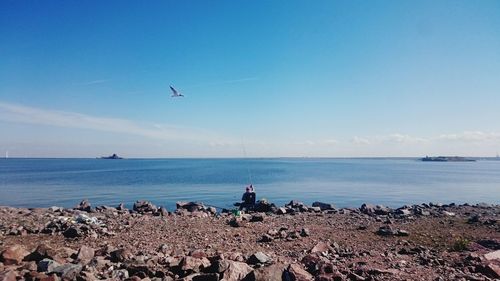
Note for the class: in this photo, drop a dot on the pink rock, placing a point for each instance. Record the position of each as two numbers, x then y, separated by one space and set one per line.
237 271
13 255
297 273
493 255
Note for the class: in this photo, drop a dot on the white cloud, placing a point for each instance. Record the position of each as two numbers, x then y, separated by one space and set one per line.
30 115
360 141
471 136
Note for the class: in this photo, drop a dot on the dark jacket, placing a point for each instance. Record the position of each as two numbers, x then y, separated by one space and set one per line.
248 198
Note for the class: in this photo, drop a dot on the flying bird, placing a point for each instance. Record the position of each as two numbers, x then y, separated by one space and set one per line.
175 93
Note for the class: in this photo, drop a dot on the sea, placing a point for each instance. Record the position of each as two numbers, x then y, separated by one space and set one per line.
345 182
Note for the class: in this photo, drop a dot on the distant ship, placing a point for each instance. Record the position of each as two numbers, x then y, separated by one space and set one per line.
114 156
447 159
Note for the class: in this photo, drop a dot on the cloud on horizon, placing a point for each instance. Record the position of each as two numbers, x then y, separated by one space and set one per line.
31 115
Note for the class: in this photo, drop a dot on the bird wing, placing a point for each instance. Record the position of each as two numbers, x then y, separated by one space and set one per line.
174 91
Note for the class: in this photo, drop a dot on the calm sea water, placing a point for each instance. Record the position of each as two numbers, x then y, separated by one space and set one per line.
344 182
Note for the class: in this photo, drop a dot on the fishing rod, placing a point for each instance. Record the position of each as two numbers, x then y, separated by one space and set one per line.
248 167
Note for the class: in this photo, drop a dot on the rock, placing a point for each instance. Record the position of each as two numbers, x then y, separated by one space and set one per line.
163 212
236 222
84 206
47 265
10 275
56 209
492 255
386 230
323 206
73 232
119 274
321 247
192 264
493 244
266 238
120 255
190 206
13 255
304 232
257 217
402 232
258 257
42 252
85 255
281 211
144 207
374 210
403 212
202 277
68 271
236 271
449 214
490 270
121 207
268 273
295 272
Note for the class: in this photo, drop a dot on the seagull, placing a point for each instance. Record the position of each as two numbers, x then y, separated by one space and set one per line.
175 93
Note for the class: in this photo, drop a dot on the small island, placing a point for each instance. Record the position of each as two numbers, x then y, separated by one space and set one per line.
114 156
447 159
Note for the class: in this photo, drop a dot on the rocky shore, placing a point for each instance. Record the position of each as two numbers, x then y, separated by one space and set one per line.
292 242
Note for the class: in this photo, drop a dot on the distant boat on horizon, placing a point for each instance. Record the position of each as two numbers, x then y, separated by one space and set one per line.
7 154
114 156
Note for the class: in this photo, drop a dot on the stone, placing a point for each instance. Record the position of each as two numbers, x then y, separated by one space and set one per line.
120 255
193 264
201 277
236 271
41 252
304 232
10 275
268 273
258 257
84 206
492 255
266 238
163 212
73 232
236 222
281 211
190 206
121 207
68 271
119 274
321 247
386 230
490 270
47 265
13 255
295 272
85 255
403 212
323 206
257 217
143 207
402 232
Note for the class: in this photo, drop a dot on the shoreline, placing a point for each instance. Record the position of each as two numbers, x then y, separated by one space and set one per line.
292 242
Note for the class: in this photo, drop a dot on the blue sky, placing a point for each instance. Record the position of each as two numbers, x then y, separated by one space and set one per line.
282 78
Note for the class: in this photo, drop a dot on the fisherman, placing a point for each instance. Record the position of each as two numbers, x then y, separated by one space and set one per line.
248 199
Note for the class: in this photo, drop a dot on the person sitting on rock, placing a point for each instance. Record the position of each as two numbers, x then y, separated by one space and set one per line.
248 199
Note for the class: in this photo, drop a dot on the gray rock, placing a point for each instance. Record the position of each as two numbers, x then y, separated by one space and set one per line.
258 257
323 206
47 265
68 271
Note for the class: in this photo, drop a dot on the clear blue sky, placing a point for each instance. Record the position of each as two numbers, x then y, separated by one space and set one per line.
285 78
